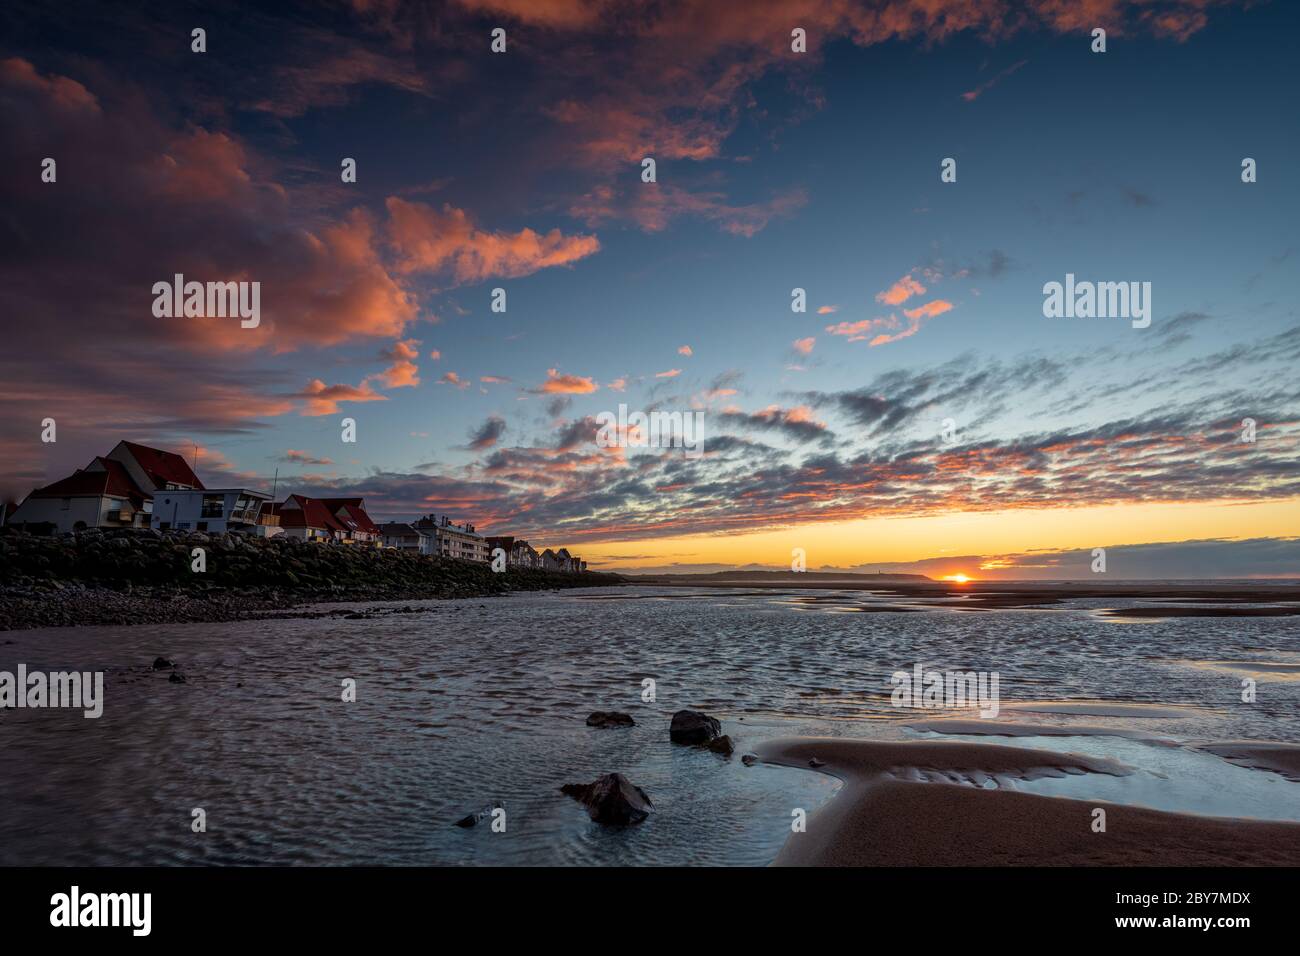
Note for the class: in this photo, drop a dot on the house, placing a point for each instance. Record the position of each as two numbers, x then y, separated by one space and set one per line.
406 537
519 554
153 469
113 491
214 510
550 562
101 495
524 555
564 560
308 518
350 513
453 540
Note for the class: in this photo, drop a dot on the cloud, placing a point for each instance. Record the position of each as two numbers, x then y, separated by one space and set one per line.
797 422
445 240
451 378
324 399
565 384
900 291
685 350
828 309
403 373
487 434
670 373
972 95
304 458
804 346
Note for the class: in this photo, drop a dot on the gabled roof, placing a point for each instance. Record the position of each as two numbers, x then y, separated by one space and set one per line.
505 542
102 477
163 466
548 551
310 513
351 512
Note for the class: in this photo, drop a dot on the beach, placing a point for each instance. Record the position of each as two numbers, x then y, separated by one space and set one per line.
467 704
883 818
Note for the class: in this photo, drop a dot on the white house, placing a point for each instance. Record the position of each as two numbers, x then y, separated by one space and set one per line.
405 537
208 509
113 491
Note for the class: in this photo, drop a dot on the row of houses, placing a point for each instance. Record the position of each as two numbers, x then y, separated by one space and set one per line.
135 486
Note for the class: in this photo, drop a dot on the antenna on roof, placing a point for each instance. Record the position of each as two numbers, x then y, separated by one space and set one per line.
274 481
195 467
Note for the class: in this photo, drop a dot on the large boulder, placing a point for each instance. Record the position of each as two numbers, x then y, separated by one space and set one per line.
610 718
692 727
611 799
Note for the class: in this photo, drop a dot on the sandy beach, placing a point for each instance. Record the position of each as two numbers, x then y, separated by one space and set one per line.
922 803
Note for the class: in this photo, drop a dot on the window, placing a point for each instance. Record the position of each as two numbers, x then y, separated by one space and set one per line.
202 526
214 506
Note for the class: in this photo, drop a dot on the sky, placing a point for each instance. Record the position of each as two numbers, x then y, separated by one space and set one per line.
922 414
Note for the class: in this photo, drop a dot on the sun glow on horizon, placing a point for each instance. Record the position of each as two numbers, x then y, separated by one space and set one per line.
957 578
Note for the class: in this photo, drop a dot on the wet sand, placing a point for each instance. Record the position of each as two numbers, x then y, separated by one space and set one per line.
894 810
1279 758
1218 599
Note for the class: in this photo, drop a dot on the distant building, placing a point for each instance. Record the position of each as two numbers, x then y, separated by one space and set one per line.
518 552
550 562
113 491
453 540
214 510
407 537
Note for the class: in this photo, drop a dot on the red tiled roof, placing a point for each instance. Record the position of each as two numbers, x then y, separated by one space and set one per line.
310 513
163 466
355 510
111 478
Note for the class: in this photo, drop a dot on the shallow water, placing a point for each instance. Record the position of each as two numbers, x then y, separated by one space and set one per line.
485 700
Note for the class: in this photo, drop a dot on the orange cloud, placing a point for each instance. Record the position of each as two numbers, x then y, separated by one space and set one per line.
671 373
431 240
324 399
557 384
403 372
900 291
929 310
804 346
451 378
685 350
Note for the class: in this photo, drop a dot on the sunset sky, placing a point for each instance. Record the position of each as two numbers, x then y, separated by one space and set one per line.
776 170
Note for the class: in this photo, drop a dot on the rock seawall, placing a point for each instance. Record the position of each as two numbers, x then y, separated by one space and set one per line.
142 576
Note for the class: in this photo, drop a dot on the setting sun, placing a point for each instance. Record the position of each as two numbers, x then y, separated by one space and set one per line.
959 578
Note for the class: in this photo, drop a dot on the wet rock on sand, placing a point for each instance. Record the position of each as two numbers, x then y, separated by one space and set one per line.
610 718
473 819
162 664
611 799
749 759
176 678
692 727
721 745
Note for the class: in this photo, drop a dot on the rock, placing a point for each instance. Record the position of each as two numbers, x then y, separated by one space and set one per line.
611 799
610 718
721 745
814 762
749 759
692 727
176 678
474 819
162 664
